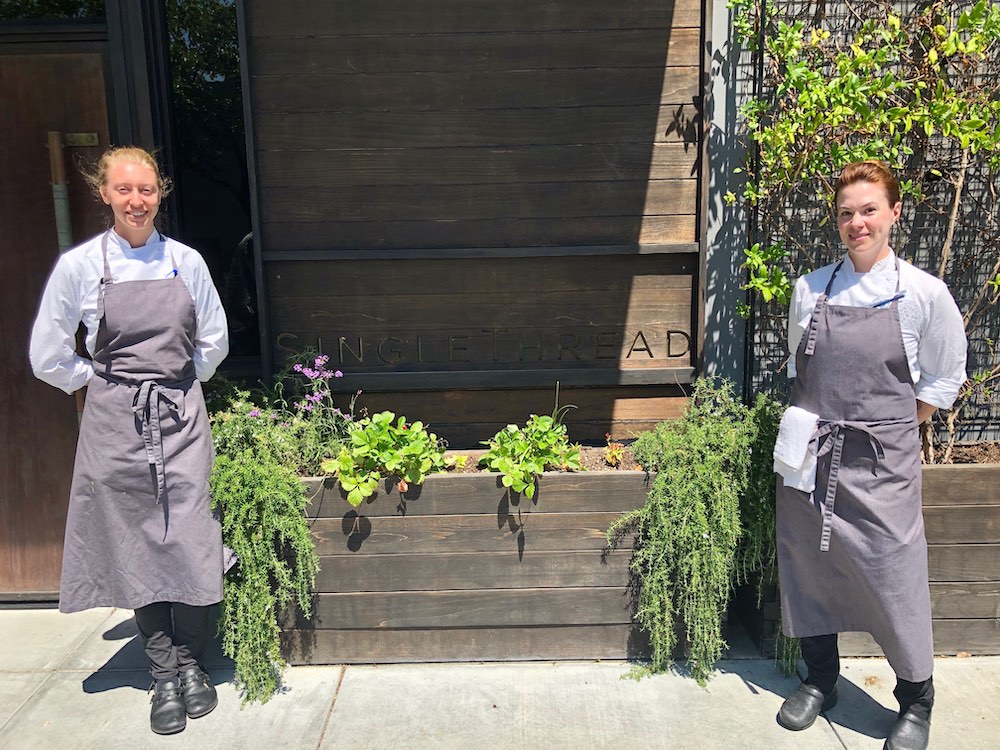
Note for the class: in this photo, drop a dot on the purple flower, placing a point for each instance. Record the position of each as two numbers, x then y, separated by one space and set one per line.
309 407
297 367
255 412
310 373
297 405
338 374
321 360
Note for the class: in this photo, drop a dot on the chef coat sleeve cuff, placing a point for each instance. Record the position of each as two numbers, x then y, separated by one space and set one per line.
938 392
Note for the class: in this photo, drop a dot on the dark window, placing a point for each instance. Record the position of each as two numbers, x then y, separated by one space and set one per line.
210 165
47 10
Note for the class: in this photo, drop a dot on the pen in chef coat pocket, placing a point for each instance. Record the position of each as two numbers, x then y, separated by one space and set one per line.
890 300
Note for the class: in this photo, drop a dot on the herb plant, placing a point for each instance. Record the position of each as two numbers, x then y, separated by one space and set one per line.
262 503
521 455
302 397
690 531
382 446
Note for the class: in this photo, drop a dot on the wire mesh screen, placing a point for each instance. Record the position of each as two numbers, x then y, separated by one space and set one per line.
801 219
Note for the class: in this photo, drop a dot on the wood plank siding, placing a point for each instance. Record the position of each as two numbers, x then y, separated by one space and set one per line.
405 153
444 572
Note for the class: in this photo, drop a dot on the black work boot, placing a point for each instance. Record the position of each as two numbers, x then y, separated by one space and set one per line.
167 715
801 708
199 692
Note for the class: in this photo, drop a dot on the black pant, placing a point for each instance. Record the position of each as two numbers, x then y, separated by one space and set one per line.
822 659
174 635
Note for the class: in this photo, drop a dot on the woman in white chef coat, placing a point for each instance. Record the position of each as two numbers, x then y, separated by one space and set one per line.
140 533
877 345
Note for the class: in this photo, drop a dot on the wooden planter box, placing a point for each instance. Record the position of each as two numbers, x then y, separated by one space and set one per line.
447 572
962 520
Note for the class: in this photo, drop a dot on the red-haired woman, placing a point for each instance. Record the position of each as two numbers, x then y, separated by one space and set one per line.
877 345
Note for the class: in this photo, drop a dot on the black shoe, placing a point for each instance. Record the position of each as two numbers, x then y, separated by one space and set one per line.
167 715
911 732
199 692
801 708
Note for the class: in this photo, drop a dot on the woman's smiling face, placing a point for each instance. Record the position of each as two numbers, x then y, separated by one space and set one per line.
133 192
865 219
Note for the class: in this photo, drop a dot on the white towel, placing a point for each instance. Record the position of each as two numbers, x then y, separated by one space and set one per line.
793 460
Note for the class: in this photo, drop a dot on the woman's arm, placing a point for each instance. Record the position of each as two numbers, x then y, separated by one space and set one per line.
52 348
924 411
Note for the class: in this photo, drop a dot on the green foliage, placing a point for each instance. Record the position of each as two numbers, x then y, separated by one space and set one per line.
521 455
902 88
698 531
302 397
916 87
382 446
765 277
262 504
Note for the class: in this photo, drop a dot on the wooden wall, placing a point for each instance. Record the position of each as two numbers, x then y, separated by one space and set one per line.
461 196
457 573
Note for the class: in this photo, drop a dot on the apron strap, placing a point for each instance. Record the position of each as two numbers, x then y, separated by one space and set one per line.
105 279
146 407
832 435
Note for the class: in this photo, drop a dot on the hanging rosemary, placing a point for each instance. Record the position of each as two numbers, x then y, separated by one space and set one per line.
690 531
262 503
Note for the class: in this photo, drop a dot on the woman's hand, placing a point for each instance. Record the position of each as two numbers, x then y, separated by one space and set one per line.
924 411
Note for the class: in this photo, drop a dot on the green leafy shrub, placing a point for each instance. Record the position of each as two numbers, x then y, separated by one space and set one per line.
257 491
520 455
382 446
693 538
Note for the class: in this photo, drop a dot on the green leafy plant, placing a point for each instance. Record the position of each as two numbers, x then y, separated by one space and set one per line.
916 87
382 446
262 502
699 532
521 455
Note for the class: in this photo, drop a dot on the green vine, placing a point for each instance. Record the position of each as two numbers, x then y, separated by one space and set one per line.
262 504
692 538
916 88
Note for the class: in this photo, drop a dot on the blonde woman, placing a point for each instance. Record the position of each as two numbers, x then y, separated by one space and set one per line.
140 533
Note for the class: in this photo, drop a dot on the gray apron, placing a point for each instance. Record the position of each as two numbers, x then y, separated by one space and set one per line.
139 528
852 556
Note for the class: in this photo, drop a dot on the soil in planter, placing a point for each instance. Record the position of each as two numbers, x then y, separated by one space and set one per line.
976 453
592 458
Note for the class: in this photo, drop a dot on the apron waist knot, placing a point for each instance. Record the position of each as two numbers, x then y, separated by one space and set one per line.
829 438
146 407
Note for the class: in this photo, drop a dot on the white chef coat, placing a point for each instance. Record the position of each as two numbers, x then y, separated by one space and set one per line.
932 327
70 297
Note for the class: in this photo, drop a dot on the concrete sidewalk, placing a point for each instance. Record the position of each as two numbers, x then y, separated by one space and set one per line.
79 681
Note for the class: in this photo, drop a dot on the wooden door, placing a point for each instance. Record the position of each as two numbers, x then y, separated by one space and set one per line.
38 424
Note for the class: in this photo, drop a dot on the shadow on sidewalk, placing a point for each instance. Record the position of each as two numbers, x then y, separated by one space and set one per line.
856 710
128 667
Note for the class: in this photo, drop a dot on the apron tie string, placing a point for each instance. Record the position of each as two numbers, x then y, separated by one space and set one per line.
146 408
830 439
